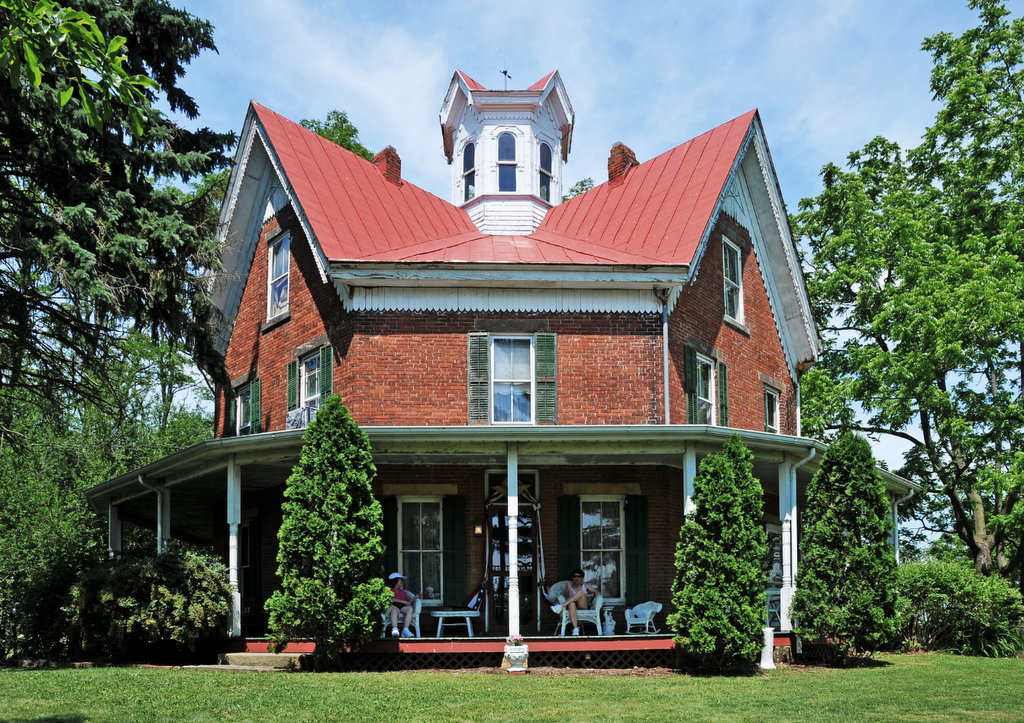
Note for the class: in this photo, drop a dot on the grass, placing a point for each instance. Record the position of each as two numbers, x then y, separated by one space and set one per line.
903 687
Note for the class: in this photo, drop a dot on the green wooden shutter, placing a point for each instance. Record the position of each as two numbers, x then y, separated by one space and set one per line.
637 574
568 535
254 406
230 401
546 369
723 395
764 397
293 385
690 383
389 516
326 372
454 553
479 372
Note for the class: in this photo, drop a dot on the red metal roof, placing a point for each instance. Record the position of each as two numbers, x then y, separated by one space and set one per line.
657 213
659 209
539 85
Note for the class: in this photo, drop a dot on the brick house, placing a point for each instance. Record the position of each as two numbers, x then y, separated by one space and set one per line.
539 379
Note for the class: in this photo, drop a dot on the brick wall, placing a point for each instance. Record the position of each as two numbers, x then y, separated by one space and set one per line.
749 354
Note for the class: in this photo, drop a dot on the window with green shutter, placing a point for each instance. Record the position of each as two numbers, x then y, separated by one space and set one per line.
479 379
637 574
454 552
254 406
699 384
723 395
546 370
326 371
292 372
512 379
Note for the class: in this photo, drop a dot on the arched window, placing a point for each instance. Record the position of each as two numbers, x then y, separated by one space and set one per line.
469 172
507 162
545 172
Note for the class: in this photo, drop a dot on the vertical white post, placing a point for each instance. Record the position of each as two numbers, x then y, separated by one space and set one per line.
114 530
787 514
234 514
895 528
689 472
513 539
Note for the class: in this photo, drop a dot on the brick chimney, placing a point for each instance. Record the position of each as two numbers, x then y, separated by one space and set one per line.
620 160
389 164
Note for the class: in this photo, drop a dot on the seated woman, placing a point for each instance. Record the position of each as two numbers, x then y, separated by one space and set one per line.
402 602
576 598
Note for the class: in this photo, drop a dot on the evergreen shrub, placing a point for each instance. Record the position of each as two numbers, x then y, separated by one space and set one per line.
150 607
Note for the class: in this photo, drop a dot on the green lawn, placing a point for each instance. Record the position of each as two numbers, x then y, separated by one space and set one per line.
915 688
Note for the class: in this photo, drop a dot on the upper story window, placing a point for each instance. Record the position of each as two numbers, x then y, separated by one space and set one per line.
732 272
771 410
243 410
507 162
545 172
601 544
420 545
309 385
469 172
277 278
705 391
512 379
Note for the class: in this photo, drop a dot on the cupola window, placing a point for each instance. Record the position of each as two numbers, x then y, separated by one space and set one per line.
507 162
469 172
545 172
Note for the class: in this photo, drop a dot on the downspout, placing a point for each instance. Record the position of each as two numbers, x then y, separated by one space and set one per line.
159 512
662 295
896 523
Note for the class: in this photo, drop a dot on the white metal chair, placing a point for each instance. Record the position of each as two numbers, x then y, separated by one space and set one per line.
642 616
774 604
414 624
560 591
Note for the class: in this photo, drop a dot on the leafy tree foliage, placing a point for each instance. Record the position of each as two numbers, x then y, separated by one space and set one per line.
948 606
48 534
845 586
719 590
337 128
581 186
330 548
918 279
94 243
146 606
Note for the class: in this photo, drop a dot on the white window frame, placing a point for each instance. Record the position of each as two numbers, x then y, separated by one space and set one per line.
732 286
282 282
309 367
543 173
708 363
771 403
467 174
438 598
623 542
514 163
243 409
494 379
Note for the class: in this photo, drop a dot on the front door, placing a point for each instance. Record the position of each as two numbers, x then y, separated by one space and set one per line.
498 567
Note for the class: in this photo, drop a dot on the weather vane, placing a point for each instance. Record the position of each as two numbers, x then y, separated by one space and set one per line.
507 77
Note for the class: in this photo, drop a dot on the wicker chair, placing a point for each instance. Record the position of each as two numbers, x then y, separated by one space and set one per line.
560 591
414 624
642 616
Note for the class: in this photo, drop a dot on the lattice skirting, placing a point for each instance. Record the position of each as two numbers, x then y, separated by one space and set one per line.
608 659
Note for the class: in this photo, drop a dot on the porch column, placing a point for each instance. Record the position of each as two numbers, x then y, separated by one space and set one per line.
689 472
893 504
114 530
787 514
234 518
513 539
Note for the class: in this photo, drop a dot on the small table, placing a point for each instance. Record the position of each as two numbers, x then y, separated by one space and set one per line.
455 617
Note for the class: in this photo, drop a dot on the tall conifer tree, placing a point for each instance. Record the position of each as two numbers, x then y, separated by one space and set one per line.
719 590
330 546
846 582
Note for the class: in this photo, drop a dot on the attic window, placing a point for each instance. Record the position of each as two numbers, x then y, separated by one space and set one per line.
545 172
469 172
277 278
732 272
507 162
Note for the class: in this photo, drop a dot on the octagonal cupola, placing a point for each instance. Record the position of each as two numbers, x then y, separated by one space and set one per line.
506 149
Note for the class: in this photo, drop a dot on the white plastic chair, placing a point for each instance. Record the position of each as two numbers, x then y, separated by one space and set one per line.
642 616
560 591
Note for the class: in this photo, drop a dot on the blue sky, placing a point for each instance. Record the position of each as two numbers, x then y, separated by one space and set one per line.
826 76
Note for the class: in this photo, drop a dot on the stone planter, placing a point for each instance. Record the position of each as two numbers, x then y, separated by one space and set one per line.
516 657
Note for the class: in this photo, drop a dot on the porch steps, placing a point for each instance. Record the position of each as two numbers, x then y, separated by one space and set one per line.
266 661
